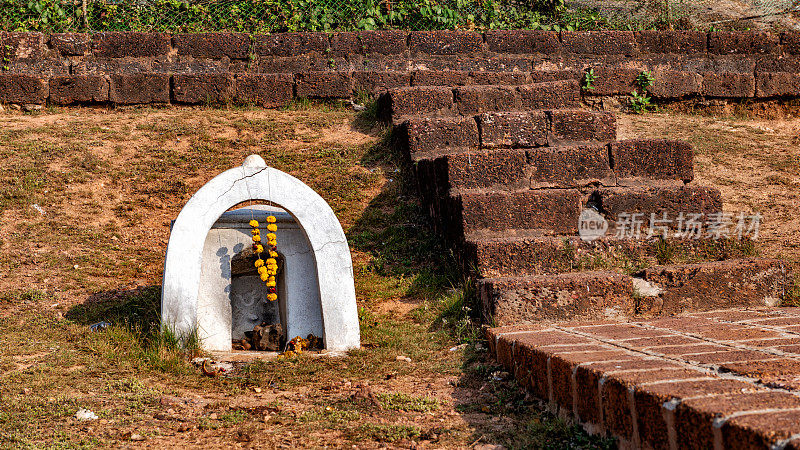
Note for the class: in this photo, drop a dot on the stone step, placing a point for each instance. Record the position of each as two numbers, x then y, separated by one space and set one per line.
427 137
658 290
532 299
719 379
556 211
624 163
399 103
505 255
718 284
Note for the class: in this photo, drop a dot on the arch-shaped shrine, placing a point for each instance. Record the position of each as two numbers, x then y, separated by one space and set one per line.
205 291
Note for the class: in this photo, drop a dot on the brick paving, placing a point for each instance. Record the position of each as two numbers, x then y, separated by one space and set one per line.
718 379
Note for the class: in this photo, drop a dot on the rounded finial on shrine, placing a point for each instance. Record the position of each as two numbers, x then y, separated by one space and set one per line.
254 161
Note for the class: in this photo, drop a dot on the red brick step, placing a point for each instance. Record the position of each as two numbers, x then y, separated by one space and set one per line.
718 379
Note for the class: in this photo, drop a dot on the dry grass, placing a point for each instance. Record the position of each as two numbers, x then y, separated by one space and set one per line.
108 182
754 162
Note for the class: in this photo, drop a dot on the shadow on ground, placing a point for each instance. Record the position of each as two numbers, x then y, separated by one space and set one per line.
399 236
138 309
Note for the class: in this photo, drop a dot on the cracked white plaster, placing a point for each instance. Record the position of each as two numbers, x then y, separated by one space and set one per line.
184 268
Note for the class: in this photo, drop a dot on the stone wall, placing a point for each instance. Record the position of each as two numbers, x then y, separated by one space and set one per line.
270 70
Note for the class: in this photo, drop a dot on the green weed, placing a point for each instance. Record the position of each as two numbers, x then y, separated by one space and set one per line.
403 402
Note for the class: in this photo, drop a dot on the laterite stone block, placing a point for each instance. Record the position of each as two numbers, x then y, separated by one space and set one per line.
555 297
777 84
581 125
599 42
428 135
69 89
569 166
555 210
742 42
653 158
614 81
416 100
291 44
268 90
675 84
22 46
203 88
514 129
477 99
139 88
345 44
728 85
71 44
441 78
324 84
720 284
790 41
671 200
502 169
383 42
130 44
379 82
504 78
213 45
553 94
445 42
18 88
668 41
523 41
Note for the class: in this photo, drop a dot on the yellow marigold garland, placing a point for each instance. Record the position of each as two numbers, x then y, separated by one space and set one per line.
267 270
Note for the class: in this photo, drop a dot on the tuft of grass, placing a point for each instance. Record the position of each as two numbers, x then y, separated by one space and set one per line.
399 401
366 119
385 432
545 431
665 251
458 312
792 295
27 296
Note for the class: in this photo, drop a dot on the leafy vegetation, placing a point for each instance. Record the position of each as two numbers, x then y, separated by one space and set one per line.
588 79
269 16
640 102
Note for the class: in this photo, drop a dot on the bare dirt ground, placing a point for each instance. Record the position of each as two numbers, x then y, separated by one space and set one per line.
754 162
86 199
86 196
